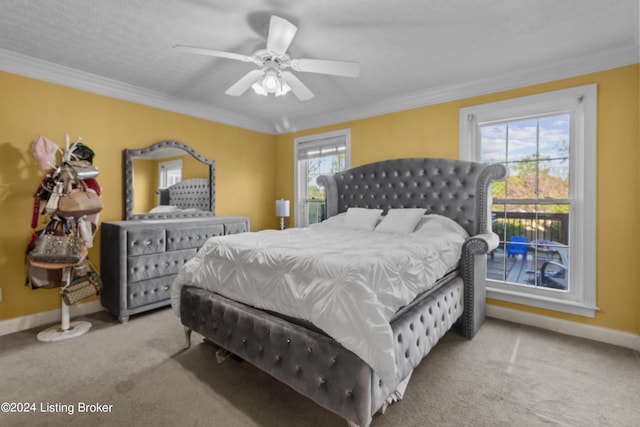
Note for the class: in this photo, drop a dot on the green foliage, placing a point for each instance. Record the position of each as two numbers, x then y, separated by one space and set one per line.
533 179
315 192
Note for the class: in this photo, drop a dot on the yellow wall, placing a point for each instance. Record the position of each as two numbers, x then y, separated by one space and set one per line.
251 174
433 131
28 108
145 180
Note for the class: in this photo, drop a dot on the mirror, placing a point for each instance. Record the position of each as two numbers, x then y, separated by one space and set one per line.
193 196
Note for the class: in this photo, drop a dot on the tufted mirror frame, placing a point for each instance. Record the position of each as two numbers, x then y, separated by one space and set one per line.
168 145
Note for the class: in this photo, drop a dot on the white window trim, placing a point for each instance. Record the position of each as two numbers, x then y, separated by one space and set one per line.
163 166
582 101
307 141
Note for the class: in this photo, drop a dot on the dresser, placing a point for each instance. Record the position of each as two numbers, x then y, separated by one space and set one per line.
139 259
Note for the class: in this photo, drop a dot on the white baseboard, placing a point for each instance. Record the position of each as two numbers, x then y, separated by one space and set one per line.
596 333
46 317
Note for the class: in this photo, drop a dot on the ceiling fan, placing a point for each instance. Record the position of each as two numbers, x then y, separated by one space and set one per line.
273 75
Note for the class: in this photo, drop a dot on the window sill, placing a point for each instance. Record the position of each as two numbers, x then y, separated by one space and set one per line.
571 307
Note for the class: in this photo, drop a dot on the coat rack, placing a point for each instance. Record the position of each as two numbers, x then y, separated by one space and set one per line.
77 168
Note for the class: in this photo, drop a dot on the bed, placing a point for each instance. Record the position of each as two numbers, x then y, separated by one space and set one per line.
189 195
355 377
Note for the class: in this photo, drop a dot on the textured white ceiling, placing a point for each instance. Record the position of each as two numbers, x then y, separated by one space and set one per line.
412 52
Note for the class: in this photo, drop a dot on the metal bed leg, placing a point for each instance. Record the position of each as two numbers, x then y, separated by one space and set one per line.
187 334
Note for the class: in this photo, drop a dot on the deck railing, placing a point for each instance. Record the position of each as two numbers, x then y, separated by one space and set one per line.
315 208
535 226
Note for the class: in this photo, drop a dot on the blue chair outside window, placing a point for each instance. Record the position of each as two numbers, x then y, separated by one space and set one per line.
517 246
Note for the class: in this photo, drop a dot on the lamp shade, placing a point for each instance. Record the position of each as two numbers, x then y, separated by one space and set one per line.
282 208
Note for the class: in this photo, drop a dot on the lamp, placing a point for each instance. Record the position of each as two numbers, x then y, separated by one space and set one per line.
282 210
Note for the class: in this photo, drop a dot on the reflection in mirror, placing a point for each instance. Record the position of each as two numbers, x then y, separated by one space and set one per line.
193 196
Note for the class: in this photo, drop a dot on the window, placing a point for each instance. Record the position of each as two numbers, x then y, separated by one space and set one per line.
170 173
315 155
544 213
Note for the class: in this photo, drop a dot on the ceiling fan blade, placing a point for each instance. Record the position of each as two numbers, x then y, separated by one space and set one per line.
244 83
323 66
216 53
298 88
281 34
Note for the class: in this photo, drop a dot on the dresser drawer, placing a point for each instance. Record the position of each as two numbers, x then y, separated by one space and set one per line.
149 291
142 242
149 266
192 237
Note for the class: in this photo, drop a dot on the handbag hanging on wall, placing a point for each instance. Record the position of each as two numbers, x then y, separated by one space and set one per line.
52 248
84 169
82 287
48 276
78 202
38 277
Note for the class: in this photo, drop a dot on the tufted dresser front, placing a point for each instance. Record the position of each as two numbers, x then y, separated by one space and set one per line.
140 259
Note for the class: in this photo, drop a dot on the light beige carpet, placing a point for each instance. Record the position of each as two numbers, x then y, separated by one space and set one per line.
508 375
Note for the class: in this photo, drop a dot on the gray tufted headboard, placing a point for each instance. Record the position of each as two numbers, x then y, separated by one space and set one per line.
190 193
457 189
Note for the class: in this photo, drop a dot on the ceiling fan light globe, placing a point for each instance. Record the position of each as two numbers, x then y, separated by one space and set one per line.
284 89
271 82
257 88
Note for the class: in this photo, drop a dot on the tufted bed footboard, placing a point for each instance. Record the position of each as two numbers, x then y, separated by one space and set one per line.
314 364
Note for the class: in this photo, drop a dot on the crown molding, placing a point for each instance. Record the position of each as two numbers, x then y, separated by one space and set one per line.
27 66
54 73
571 67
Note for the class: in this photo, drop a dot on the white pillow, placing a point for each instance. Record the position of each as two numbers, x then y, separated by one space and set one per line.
164 208
434 223
361 218
400 220
333 221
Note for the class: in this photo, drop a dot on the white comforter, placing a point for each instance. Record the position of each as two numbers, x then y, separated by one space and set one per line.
348 283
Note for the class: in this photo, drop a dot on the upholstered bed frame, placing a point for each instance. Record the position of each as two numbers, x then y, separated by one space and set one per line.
317 366
191 193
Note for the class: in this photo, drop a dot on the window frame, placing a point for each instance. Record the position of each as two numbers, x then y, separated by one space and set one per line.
581 103
315 140
164 168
